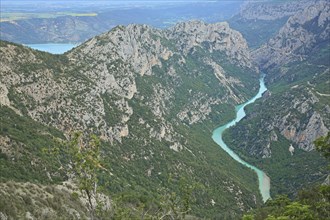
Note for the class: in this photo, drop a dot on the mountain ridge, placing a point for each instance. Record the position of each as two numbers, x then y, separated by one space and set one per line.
154 120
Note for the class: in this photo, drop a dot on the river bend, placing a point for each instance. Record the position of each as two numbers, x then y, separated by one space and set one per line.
263 179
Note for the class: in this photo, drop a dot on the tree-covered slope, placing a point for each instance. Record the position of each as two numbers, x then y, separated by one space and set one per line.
309 203
153 97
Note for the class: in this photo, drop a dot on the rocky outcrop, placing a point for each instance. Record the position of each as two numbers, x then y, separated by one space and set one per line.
219 36
304 135
289 58
115 59
306 126
140 89
265 10
297 38
259 21
291 115
292 60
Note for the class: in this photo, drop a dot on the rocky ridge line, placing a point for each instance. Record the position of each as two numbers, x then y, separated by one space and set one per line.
296 38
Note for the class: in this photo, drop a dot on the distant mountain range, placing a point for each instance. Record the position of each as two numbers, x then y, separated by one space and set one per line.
52 24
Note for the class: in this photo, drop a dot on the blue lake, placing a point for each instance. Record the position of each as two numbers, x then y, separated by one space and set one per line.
52 47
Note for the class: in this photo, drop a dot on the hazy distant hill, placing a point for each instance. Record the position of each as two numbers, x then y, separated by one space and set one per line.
76 22
258 21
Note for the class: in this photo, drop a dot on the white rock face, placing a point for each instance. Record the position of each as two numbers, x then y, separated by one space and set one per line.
291 150
272 11
225 80
295 38
4 100
219 35
94 87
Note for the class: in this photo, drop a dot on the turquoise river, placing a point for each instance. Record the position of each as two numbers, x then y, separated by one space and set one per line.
264 181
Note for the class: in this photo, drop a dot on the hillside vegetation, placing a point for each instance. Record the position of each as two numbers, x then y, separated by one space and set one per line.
152 97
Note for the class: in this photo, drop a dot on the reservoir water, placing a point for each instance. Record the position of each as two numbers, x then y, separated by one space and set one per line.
263 179
52 47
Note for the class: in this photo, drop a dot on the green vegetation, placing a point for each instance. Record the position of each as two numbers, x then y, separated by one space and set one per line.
19 200
137 167
21 157
323 145
169 205
112 114
294 96
81 160
195 77
208 165
314 68
285 171
311 203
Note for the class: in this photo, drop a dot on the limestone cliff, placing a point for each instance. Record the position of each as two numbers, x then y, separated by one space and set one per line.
258 21
297 38
267 10
298 56
153 96
219 36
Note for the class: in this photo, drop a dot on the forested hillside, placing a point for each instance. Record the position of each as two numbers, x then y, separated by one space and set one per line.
153 98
